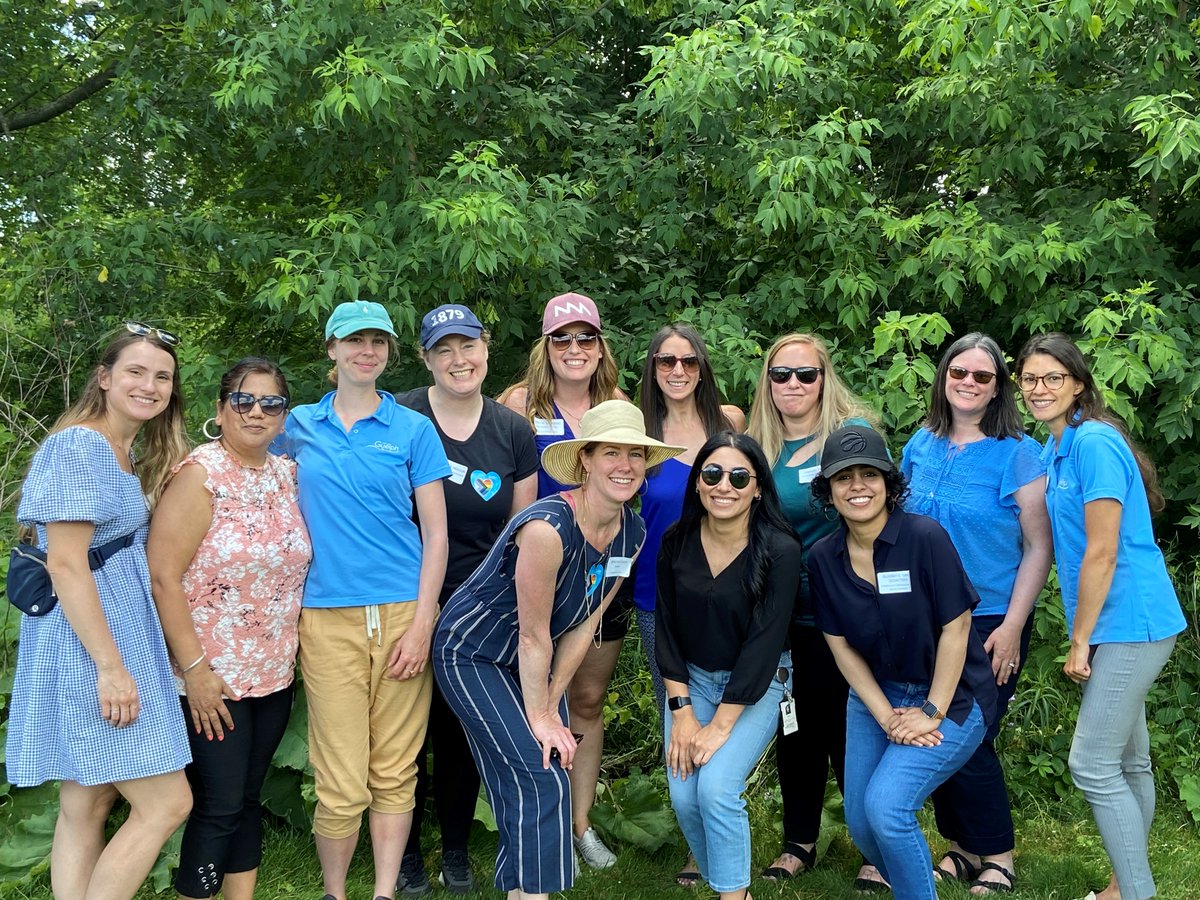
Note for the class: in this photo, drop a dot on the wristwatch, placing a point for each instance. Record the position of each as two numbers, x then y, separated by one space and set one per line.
931 711
675 704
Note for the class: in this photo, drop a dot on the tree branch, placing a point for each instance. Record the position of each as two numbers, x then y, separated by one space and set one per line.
93 84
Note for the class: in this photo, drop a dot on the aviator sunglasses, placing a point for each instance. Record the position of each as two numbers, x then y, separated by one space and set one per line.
958 373
739 477
585 340
804 374
666 362
141 329
241 403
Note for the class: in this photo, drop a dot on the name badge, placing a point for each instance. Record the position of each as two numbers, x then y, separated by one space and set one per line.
457 472
787 712
806 475
894 582
618 567
549 426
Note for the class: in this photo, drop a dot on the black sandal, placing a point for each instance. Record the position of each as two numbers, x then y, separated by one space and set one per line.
689 874
808 859
964 869
995 887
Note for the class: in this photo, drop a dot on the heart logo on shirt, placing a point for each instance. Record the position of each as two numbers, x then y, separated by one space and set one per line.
486 484
595 575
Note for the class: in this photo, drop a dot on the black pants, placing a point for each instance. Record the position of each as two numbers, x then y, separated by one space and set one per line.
455 779
224 832
805 756
972 805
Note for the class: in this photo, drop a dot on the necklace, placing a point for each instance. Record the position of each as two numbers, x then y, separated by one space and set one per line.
118 451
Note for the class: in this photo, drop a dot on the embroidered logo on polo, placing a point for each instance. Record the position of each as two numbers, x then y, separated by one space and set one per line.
386 447
486 484
595 575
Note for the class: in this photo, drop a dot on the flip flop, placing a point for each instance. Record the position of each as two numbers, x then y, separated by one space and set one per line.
689 874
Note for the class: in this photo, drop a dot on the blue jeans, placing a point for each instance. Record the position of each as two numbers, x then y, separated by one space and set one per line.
887 783
709 804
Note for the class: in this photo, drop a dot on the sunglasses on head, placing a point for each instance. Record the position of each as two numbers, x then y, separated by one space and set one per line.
739 477
241 403
667 362
585 340
143 330
804 374
958 373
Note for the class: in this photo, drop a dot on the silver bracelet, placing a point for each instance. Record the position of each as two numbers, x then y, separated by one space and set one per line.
199 660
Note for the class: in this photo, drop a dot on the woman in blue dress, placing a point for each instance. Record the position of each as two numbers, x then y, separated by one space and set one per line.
1122 610
94 703
973 469
512 637
571 370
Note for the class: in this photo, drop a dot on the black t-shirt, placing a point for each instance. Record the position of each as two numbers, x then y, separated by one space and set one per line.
479 491
895 627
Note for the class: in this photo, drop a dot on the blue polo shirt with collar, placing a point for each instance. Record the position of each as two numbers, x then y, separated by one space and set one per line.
895 627
1093 462
356 496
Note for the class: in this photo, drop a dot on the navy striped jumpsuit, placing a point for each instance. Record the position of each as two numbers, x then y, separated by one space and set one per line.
475 663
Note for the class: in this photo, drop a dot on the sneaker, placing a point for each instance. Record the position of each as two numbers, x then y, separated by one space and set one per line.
593 851
413 882
457 876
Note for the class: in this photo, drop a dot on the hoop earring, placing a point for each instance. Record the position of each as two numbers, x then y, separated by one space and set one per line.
204 429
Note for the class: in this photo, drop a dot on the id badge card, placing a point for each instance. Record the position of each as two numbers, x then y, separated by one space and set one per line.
549 427
787 710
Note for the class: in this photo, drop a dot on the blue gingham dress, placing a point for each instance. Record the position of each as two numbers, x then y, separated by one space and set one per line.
55 730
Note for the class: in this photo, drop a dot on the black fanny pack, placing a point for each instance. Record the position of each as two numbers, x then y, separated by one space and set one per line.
29 587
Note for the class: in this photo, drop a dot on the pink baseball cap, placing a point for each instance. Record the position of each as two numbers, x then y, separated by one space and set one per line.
567 308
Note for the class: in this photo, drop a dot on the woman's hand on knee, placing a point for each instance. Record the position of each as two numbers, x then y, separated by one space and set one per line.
706 742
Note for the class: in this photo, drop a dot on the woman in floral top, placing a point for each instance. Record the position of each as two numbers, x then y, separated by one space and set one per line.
228 555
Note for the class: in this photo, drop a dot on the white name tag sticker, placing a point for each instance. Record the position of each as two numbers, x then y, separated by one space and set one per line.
894 582
619 567
457 472
808 473
549 426
787 711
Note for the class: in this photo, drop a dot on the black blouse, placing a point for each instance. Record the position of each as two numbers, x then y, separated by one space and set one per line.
896 626
711 623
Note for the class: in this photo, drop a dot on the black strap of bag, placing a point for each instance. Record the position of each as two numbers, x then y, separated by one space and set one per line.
28 585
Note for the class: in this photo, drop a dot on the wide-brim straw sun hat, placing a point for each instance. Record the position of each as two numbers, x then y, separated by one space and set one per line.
610 422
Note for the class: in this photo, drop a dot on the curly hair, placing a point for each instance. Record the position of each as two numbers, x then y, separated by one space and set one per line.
895 487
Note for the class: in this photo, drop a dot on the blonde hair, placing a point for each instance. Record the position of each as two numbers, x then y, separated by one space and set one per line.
163 440
837 402
539 381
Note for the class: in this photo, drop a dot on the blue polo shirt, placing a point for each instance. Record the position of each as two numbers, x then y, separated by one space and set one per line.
356 496
895 628
1094 462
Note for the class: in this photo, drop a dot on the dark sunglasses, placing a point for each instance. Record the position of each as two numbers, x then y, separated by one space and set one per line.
585 340
804 374
143 330
739 478
241 403
958 373
667 362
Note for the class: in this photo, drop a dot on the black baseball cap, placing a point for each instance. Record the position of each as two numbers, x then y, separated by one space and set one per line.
854 445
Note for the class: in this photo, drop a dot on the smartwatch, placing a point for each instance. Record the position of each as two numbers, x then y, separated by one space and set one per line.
675 704
931 711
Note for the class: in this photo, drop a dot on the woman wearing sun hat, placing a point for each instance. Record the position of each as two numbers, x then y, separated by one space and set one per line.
571 370
364 463
494 468
512 636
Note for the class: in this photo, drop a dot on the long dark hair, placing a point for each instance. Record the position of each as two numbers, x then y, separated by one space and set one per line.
766 513
1001 418
1090 404
708 399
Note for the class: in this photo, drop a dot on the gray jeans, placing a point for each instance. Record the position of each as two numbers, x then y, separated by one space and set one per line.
1110 756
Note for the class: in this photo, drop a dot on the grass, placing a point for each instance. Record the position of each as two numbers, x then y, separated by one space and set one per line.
1059 857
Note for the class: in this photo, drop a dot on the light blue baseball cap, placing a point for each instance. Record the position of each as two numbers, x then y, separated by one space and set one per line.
358 315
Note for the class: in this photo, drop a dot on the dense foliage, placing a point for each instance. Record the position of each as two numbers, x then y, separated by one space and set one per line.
887 173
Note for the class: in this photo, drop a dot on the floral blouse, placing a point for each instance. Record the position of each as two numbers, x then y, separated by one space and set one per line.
246 580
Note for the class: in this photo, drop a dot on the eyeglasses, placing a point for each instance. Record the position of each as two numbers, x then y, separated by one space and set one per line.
667 362
958 373
144 330
739 477
804 374
270 404
585 340
1052 380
